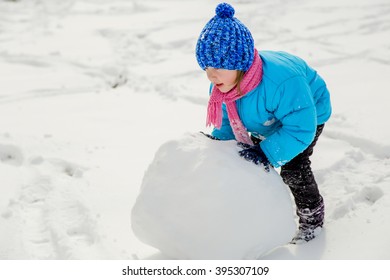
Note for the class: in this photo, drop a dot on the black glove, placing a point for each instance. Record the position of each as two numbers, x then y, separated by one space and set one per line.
254 154
209 136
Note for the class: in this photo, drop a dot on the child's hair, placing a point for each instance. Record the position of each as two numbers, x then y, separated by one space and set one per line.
240 76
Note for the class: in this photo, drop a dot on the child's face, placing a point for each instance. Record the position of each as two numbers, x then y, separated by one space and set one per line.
223 79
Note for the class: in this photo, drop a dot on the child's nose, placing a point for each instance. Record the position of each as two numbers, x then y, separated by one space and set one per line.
211 77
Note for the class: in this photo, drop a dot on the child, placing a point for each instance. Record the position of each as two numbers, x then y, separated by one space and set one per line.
281 101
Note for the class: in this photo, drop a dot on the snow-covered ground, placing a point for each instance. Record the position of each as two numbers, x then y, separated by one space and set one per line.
90 89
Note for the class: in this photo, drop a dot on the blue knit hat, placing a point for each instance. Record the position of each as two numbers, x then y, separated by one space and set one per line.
225 42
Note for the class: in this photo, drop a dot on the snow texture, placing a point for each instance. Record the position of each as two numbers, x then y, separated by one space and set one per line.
200 200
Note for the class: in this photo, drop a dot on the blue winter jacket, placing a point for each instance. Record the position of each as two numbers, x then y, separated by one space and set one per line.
284 109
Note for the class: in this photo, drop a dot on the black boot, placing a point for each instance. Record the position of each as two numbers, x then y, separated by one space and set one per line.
311 222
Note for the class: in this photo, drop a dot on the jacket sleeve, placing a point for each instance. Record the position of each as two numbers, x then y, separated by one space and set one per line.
293 105
225 132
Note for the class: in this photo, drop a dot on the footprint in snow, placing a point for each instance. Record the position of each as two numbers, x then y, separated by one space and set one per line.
10 154
53 217
67 168
368 195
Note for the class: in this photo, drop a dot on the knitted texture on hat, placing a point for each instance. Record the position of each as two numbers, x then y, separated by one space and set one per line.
225 42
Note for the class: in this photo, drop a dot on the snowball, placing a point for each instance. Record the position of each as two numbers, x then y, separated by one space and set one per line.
200 200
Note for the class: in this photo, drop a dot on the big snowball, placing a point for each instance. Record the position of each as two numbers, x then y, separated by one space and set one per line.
200 200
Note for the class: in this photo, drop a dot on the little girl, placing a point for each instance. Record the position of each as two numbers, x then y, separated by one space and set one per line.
281 101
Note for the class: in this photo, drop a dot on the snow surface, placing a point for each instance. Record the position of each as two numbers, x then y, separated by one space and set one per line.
90 90
200 200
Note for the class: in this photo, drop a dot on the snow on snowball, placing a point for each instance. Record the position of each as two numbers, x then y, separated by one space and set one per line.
200 200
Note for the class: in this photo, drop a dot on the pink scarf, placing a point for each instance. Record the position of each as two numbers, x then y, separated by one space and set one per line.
251 79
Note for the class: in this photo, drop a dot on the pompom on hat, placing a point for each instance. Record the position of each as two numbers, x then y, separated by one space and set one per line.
225 42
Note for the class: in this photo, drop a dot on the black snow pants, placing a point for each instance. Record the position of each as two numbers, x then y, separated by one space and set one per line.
297 174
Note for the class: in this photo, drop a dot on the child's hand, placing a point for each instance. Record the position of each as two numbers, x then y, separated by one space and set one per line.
254 154
209 136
